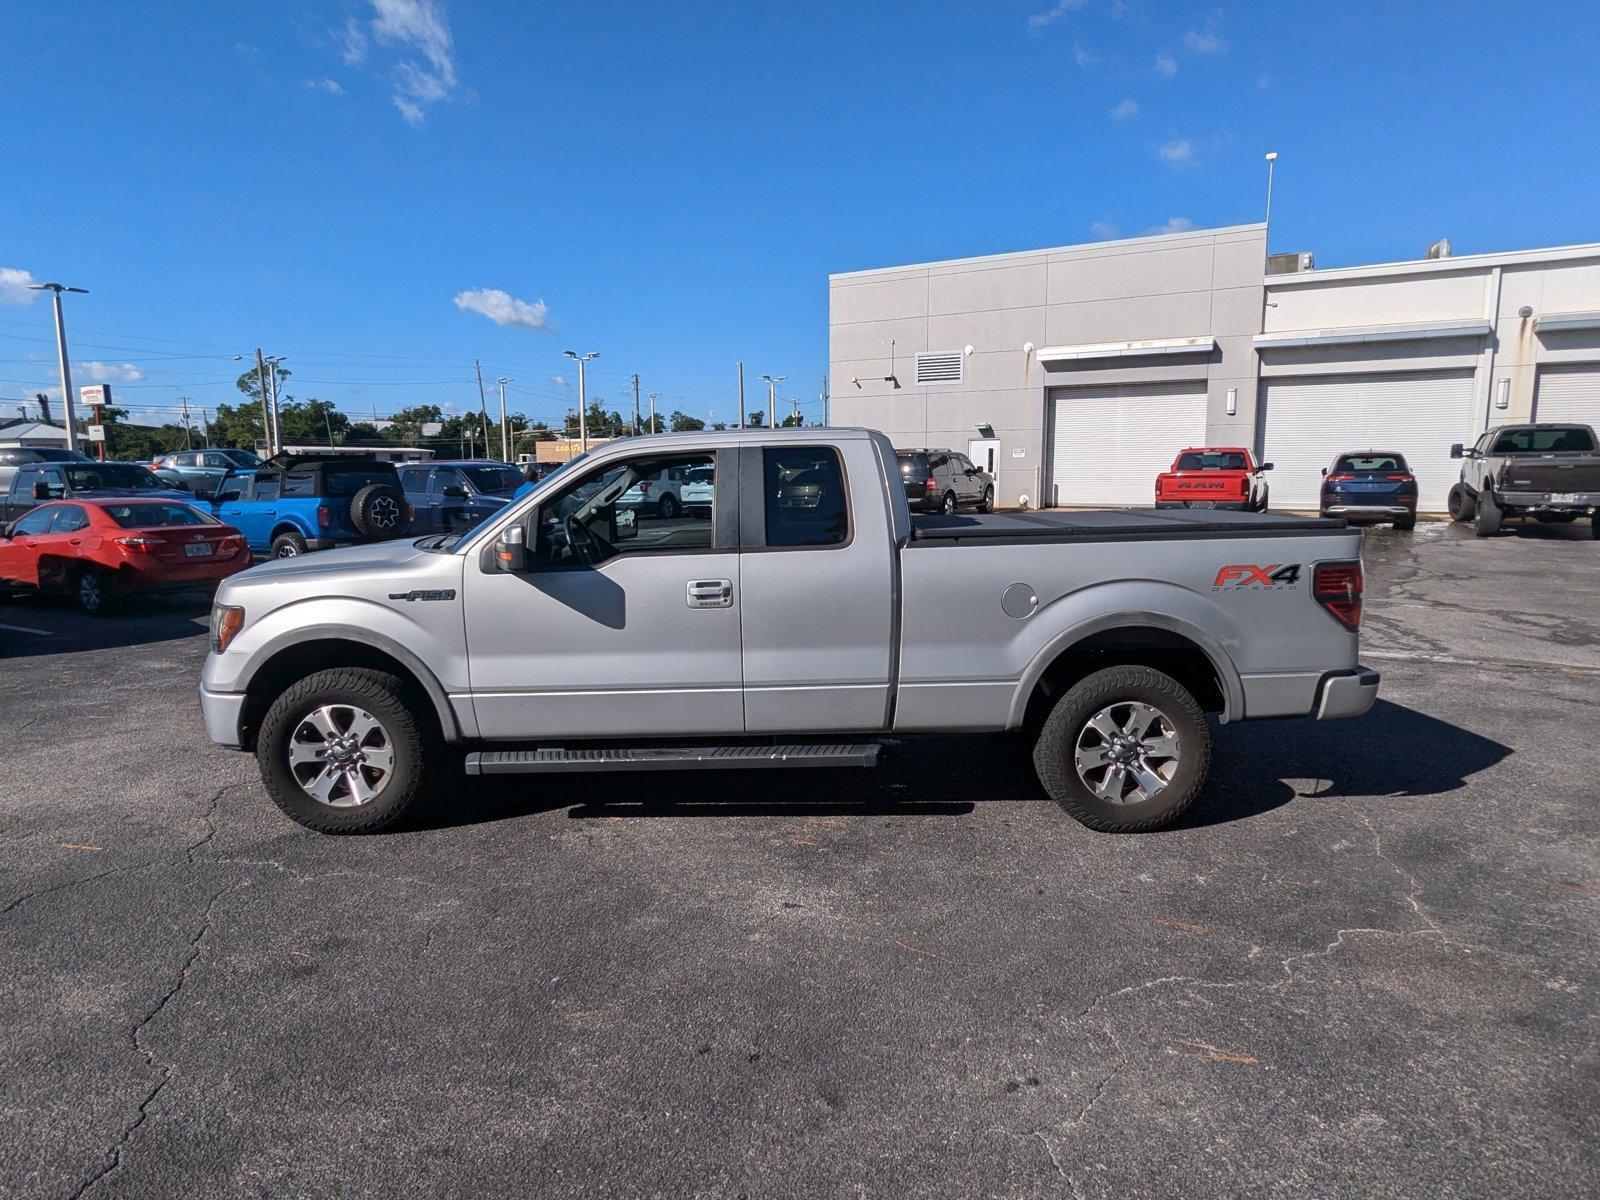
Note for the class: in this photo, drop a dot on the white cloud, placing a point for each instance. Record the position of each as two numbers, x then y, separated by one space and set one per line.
14 282
102 372
1125 111
1209 42
352 43
324 84
1175 225
1050 16
417 27
1120 11
1104 228
1166 65
560 381
503 308
1084 58
1179 153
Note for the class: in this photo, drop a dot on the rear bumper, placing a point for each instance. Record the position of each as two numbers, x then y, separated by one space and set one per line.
1230 505
1346 693
1561 501
221 711
1368 510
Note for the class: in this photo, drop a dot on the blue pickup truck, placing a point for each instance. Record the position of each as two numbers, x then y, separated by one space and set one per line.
293 503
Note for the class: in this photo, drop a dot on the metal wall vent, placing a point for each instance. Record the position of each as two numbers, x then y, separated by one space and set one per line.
940 367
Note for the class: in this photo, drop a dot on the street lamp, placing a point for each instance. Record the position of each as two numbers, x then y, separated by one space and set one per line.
583 401
55 290
505 429
772 398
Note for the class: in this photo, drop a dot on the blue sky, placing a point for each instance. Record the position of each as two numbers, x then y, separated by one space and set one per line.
350 183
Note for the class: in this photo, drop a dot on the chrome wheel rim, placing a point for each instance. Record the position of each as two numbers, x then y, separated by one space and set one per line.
341 756
1127 753
949 505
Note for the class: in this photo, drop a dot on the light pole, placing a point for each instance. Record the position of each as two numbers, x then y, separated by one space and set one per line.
654 396
1272 161
55 290
505 429
772 398
583 395
272 387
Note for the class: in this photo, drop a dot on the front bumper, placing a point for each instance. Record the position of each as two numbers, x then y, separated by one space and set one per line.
1346 693
222 711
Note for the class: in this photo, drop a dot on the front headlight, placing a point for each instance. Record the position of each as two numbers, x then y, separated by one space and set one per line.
226 622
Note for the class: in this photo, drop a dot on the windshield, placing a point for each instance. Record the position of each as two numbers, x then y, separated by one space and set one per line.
145 515
112 475
1565 440
1359 463
241 458
495 481
1211 460
912 464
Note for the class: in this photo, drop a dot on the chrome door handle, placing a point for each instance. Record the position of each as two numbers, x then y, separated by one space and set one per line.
710 593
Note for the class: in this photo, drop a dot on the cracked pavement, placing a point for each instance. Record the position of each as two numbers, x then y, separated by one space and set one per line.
1366 965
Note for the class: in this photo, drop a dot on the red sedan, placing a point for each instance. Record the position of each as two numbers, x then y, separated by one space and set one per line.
102 550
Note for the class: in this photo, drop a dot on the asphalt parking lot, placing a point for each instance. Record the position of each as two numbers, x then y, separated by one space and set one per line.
1366 964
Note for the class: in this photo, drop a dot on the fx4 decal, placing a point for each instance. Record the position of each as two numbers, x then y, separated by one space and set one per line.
1245 575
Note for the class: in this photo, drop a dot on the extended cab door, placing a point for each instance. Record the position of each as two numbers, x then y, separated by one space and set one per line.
817 569
625 624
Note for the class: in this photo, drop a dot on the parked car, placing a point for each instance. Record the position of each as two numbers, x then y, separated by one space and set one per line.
533 472
1370 485
34 483
1214 477
555 638
661 493
103 551
294 503
698 490
1545 471
11 456
199 471
943 481
454 495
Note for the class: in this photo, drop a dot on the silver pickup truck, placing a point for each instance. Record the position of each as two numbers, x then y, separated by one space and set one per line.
794 620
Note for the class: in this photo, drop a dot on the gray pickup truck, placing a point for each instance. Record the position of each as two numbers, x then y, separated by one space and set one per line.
793 622
1548 472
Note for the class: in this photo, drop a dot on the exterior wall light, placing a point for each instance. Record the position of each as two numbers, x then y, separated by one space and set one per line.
1502 395
1233 402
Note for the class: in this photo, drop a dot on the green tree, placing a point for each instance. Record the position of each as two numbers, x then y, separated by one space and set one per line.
406 425
682 422
757 419
363 433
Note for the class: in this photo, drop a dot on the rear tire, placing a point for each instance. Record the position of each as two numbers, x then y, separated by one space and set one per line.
1071 737
949 506
1489 515
1594 525
667 506
413 751
1405 524
1461 504
288 545
95 592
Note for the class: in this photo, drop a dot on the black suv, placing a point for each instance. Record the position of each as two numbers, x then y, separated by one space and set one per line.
944 481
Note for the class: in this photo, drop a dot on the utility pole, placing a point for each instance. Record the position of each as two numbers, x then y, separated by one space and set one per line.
654 396
772 398
272 383
261 385
505 428
205 428
740 424
823 396
188 439
55 290
636 404
483 405
795 400
583 395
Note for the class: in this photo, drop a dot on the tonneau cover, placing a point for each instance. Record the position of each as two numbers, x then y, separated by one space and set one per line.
1114 525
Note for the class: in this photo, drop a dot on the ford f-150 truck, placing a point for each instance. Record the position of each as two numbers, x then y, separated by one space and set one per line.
1214 477
795 621
1548 472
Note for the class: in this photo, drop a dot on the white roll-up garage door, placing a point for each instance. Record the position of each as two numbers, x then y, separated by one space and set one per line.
1305 422
1569 394
1108 444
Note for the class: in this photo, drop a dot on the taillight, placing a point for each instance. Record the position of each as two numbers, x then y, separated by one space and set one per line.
230 545
1341 478
929 486
1337 587
324 517
1402 477
142 545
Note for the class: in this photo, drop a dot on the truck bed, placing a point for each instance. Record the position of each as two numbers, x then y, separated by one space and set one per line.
1114 525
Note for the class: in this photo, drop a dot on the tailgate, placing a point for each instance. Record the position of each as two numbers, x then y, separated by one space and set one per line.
1203 485
1577 474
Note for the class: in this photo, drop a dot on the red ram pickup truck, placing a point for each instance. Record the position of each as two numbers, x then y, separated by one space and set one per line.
1214 477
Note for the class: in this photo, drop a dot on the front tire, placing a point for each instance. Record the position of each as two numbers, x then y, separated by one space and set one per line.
288 544
1461 505
1487 520
987 503
1124 750
948 508
667 506
342 751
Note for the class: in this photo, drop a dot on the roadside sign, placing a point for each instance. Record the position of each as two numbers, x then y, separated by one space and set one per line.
95 393
96 433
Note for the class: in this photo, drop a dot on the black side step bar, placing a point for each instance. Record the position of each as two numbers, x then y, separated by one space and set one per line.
671 758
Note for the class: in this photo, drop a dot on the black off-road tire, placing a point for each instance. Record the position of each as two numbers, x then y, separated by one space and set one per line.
1594 525
1054 749
1462 506
418 750
378 511
1405 524
288 544
987 503
1487 519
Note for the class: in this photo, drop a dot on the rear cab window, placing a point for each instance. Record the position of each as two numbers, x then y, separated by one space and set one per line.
1568 440
804 497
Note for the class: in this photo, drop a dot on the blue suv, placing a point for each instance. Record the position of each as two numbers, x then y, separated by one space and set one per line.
293 503
451 496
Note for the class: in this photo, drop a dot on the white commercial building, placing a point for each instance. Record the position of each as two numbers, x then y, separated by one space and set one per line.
1079 372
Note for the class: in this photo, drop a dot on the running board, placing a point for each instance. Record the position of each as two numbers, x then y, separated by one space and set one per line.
671 758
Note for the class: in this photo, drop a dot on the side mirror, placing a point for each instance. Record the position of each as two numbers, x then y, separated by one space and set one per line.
1266 466
1324 470
454 491
41 490
511 550
1456 450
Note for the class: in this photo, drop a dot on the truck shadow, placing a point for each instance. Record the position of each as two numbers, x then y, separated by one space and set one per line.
1393 751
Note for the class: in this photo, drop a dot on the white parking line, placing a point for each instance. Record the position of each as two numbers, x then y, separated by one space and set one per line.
26 629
